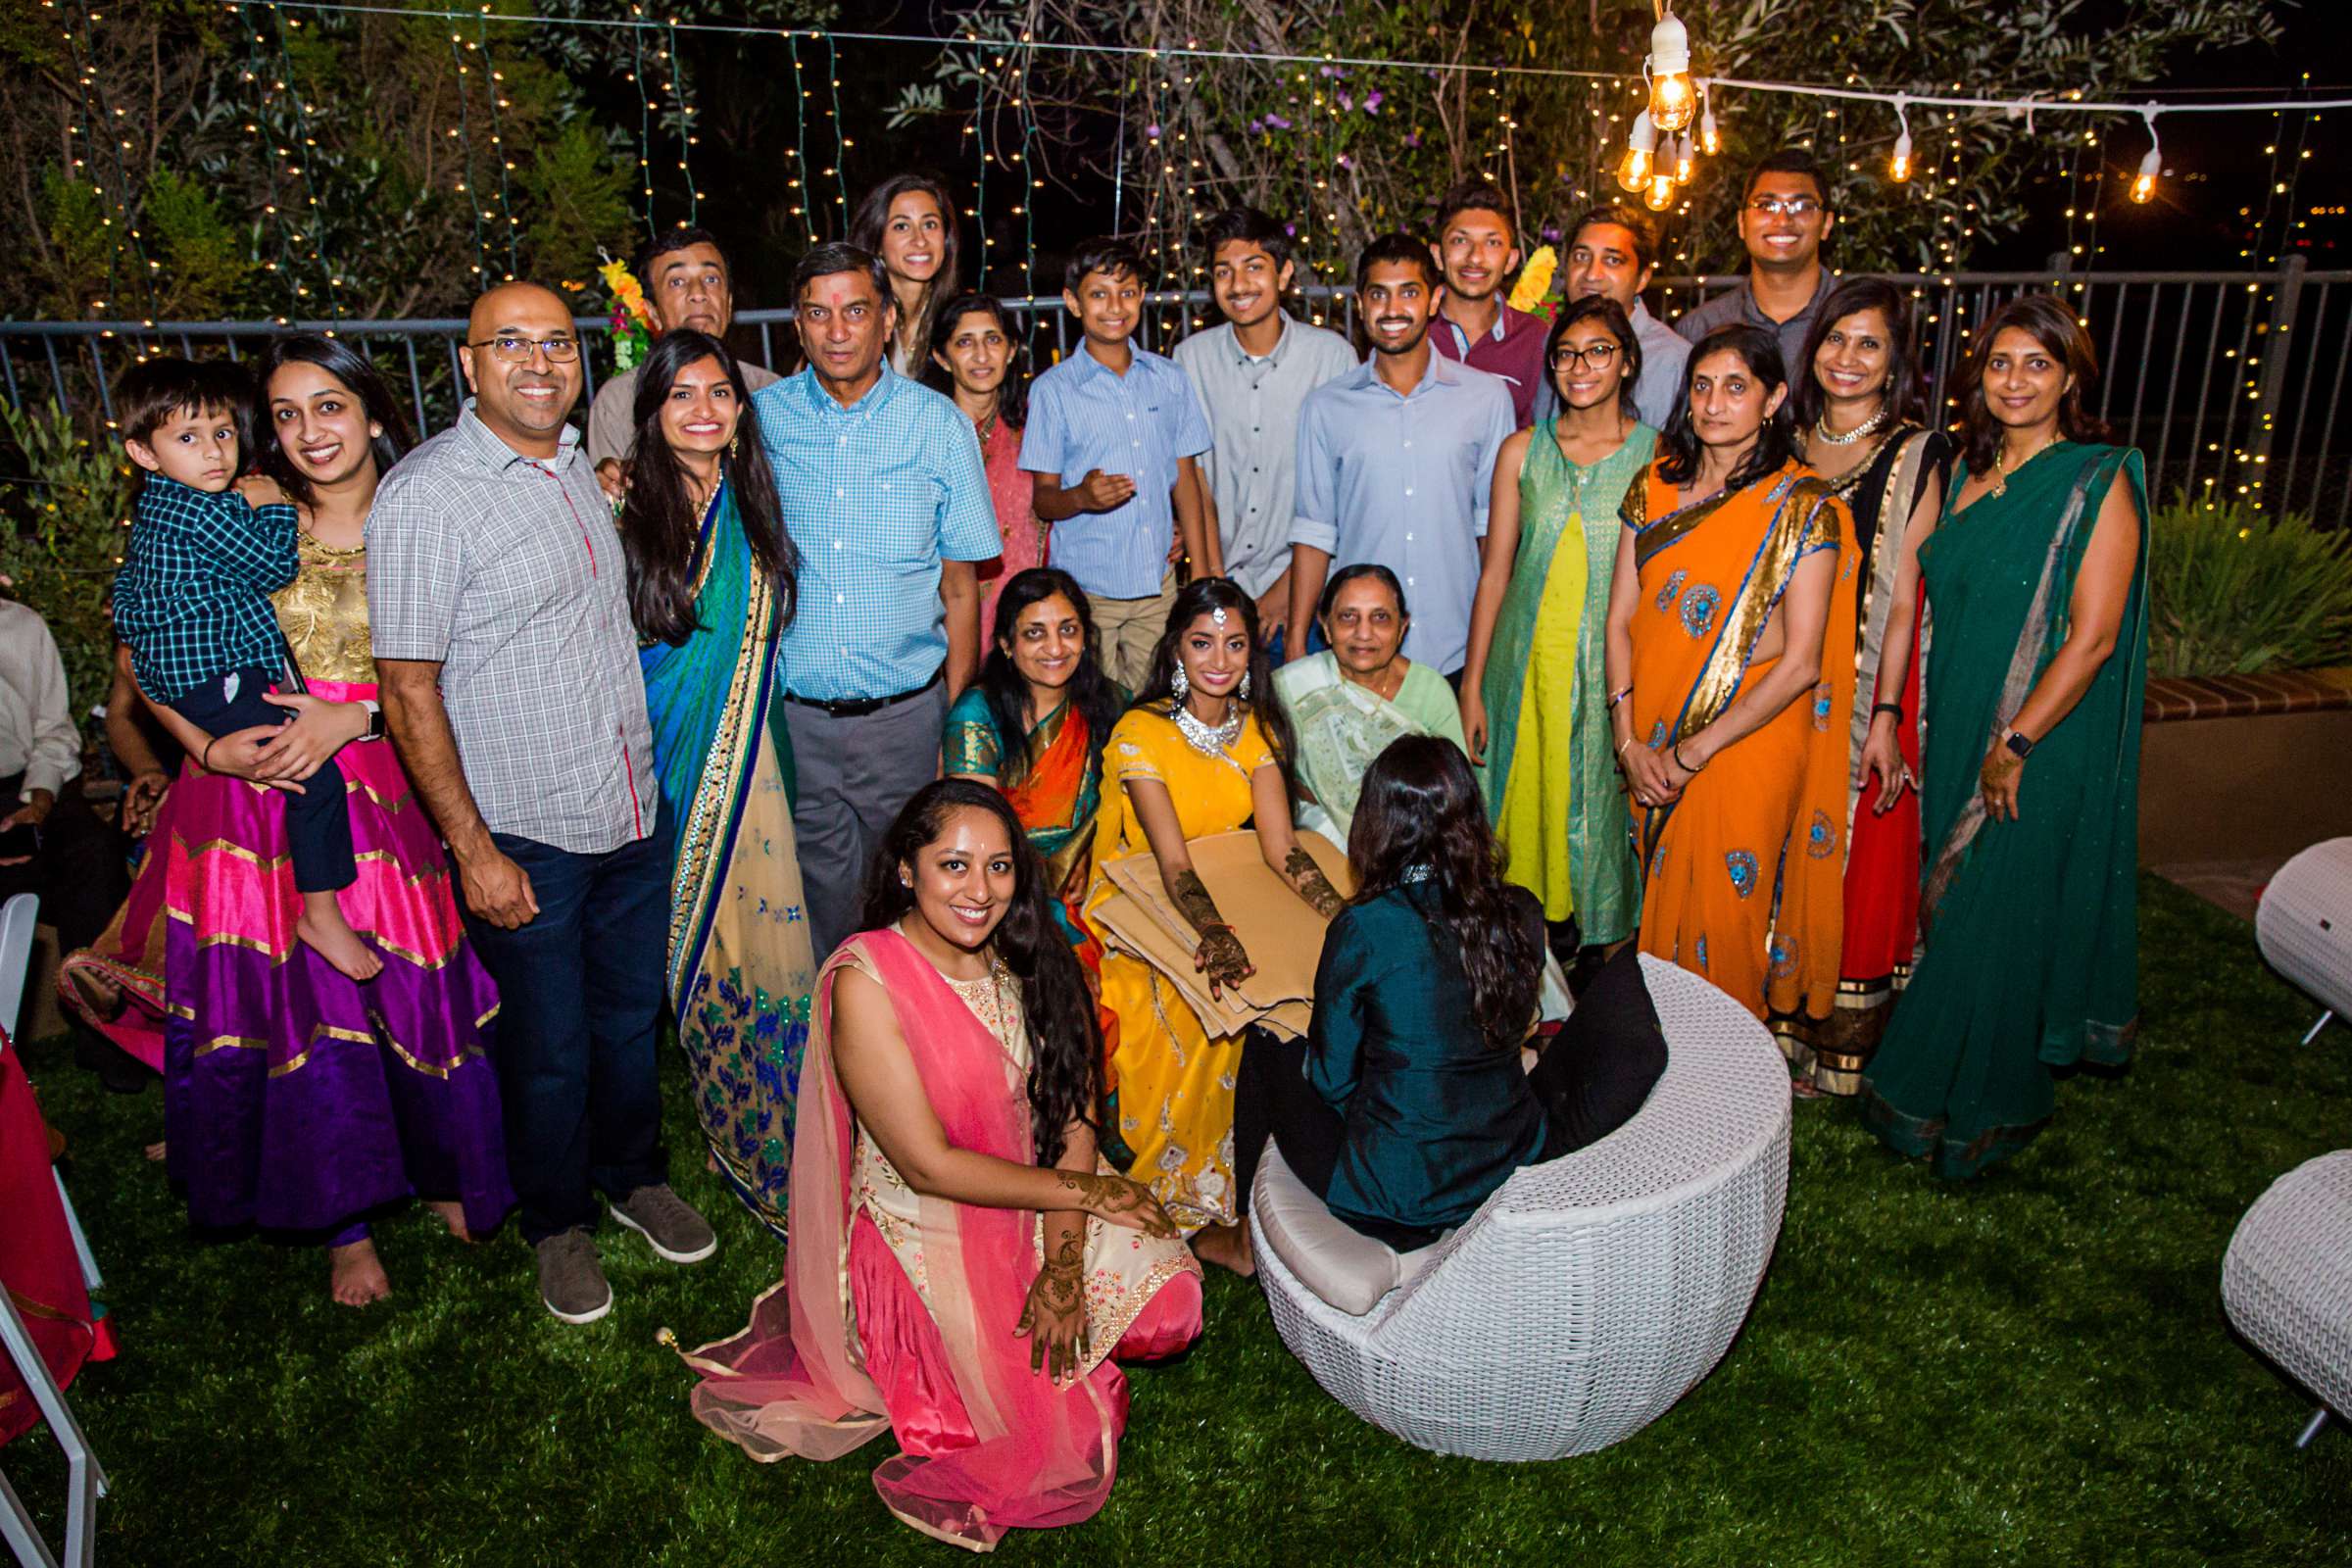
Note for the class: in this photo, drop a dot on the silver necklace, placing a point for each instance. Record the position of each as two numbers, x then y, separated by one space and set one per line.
1821 428
1209 740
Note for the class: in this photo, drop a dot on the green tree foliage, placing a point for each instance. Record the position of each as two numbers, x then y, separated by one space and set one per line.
61 529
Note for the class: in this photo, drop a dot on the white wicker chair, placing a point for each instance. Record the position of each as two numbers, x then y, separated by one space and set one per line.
1590 1293
2286 1279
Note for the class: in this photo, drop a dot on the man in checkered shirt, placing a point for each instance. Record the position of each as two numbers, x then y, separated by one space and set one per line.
499 606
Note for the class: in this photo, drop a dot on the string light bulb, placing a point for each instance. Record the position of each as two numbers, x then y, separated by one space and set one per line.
1633 173
1710 139
1673 100
1899 167
1660 194
2144 184
1683 164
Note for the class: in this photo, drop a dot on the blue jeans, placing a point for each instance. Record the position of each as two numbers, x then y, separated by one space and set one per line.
580 993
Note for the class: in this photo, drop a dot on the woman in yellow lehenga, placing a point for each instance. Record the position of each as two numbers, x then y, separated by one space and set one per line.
1205 750
1730 727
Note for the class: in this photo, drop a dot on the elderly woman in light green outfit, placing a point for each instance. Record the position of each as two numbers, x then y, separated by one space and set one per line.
1533 703
1348 702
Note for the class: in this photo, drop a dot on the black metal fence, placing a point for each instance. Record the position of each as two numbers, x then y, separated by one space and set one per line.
2230 383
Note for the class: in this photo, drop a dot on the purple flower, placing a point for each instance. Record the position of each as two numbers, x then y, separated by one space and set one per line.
1413 140
1256 125
1151 131
1552 233
1373 101
1278 122
1345 162
1290 230
1343 100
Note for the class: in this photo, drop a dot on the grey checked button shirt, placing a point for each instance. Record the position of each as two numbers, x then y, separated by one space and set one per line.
507 572
1252 406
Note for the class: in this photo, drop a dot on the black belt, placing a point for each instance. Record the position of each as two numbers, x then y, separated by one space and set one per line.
860 707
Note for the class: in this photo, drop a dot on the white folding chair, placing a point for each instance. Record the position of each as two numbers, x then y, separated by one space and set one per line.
18 918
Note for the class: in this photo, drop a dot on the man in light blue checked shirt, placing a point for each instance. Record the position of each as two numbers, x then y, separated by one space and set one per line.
886 501
1112 433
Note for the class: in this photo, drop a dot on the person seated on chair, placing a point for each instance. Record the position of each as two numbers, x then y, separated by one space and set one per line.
1405 1104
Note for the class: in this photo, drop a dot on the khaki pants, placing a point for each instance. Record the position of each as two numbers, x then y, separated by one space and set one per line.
1130 628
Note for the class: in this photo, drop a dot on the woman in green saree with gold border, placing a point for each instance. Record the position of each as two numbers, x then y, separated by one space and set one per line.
2028 941
711 584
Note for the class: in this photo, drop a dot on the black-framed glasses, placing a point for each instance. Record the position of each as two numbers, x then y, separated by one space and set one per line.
513 348
1785 206
1597 355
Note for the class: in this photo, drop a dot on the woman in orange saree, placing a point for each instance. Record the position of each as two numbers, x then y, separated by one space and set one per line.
1730 727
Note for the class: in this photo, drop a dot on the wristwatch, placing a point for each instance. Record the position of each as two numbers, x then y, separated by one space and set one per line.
376 720
2020 743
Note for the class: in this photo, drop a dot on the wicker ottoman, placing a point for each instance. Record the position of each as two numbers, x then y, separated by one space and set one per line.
2286 1279
1590 1293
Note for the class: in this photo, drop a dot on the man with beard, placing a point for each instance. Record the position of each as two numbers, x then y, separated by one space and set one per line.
1396 460
1783 217
1478 249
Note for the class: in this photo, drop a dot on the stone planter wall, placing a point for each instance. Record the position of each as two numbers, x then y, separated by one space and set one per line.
2244 767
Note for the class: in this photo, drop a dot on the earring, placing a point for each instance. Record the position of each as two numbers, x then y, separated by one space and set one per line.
1178 683
1243 691
735 445
376 432
906 882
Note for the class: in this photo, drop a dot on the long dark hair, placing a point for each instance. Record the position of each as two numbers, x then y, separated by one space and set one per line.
1613 320
346 365
1420 816
1194 600
1065 1046
2057 329
660 529
1090 692
1013 393
1906 396
872 217
1776 441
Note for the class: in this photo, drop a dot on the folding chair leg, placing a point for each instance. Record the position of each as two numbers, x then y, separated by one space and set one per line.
85 1480
2311 1428
90 1278
17 1529
2313 1032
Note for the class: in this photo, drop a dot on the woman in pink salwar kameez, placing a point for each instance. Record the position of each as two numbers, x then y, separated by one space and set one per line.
965 1271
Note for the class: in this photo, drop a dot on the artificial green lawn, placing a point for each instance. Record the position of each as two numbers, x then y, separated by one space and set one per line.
2033 1369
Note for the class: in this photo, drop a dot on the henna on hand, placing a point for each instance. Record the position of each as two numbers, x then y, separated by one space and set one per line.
1308 877
1119 1201
1193 901
1223 958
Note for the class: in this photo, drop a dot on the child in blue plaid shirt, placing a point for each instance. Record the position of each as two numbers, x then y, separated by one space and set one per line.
207 550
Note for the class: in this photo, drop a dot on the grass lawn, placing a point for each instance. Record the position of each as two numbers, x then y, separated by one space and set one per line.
2033 1369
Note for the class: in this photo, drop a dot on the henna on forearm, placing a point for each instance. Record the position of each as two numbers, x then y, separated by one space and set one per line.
1308 877
1117 1200
1194 903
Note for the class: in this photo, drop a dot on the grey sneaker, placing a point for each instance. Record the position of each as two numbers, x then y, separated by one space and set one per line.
674 1231
571 1278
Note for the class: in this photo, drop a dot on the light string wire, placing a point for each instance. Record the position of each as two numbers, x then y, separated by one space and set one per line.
2033 103
97 122
274 207
497 142
309 185
677 88
473 196
800 138
645 125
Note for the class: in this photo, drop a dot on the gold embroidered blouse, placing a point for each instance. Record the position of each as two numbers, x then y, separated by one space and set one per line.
324 612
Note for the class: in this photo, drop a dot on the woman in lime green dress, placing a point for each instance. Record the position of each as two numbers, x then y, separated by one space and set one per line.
1534 710
2028 917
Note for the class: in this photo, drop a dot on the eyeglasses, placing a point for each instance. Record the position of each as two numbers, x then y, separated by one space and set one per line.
1785 206
514 349
1598 356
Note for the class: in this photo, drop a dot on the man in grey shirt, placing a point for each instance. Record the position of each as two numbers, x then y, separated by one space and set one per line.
687 283
1613 250
1783 217
1252 372
498 603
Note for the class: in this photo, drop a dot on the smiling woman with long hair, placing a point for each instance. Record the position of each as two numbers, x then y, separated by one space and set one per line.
1730 722
908 220
964 1270
712 575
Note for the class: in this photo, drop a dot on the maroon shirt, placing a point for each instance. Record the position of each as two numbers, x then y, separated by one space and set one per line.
1513 348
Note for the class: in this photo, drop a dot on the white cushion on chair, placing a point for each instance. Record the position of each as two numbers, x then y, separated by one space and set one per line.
1331 1258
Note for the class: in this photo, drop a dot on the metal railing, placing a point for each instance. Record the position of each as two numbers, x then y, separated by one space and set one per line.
2227 382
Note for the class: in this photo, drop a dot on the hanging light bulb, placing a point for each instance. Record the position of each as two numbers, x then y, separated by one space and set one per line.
1710 140
1683 164
2144 184
1633 173
1899 167
1673 101
1660 194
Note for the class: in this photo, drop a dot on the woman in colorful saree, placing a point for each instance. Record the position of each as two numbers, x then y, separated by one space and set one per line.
1205 750
964 1267
296 1100
1348 702
711 586
1730 726
1858 403
1532 697
2028 919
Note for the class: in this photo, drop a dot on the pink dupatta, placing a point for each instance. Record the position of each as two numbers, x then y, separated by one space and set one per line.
793 1382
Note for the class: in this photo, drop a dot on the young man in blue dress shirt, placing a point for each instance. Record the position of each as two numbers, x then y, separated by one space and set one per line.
1112 433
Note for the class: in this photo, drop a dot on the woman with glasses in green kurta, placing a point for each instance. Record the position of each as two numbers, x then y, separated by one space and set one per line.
1534 710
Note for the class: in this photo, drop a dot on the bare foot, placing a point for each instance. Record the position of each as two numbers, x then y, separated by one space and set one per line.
451 1213
155 1151
1227 1246
356 1275
323 927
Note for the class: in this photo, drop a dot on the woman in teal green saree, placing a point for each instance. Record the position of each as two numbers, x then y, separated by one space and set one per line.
711 584
2029 948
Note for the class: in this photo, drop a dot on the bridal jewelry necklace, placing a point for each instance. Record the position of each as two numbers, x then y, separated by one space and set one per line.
1821 428
2001 467
1209 740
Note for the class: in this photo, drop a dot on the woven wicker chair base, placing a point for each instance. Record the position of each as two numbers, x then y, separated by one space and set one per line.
2286 1279
1590 1293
